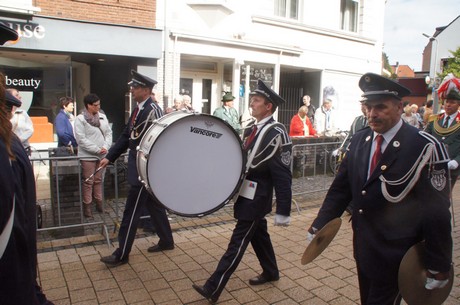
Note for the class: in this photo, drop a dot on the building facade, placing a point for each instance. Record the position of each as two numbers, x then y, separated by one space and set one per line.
195 47
72 48
298 46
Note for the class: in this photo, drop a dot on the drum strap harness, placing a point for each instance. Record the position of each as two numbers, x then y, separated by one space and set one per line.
134 131
254 153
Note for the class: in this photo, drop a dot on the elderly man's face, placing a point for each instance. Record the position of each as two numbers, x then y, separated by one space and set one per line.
383 113
327 105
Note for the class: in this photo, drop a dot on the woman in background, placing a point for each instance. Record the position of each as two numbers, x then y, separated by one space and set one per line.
94 138
63 124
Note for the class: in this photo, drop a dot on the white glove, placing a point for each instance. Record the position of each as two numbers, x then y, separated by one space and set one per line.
281 220
311 235
432 283
452 164
335 152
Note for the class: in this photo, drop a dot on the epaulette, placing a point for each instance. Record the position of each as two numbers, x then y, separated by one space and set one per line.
281 129
440 152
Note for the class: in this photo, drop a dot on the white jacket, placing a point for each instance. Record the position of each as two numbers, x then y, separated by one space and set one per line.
324 127
22 126
91 139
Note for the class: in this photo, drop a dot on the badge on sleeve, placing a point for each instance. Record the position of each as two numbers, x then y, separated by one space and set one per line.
438 179
286 157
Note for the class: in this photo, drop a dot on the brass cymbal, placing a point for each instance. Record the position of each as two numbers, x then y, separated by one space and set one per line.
321 240
412 277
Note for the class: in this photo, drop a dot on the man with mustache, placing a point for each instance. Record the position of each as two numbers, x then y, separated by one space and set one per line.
396 177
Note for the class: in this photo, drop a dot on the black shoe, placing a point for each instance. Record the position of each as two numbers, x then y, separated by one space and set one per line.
261 279
205 293
158 248
113 261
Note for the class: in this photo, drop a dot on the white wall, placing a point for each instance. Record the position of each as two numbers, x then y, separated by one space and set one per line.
321 45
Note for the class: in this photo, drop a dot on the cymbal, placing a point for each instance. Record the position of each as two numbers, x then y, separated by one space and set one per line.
321 240
412 277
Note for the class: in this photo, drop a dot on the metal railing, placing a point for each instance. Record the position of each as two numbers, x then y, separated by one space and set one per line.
311 166
60 201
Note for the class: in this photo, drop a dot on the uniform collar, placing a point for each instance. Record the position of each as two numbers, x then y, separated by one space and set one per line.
389 135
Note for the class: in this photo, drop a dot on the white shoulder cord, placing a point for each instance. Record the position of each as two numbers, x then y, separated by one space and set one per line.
421 161
144 124
277 140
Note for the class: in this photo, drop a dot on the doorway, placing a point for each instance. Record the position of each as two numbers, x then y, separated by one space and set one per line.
201 89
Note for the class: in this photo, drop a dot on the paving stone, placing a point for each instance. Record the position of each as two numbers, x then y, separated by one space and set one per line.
71 273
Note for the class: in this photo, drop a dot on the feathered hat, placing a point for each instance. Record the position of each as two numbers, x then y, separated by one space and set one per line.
449 88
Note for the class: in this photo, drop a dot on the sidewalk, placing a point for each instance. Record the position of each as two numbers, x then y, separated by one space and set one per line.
71 273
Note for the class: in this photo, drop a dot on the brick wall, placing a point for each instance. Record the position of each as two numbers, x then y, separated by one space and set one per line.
140 13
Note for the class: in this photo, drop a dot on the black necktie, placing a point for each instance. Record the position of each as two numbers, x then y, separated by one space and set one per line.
446 122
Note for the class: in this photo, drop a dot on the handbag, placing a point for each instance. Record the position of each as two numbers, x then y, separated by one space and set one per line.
62 151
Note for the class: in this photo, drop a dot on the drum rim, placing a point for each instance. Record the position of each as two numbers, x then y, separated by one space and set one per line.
235 190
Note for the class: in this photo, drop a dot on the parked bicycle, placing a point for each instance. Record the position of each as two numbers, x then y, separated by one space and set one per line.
337 155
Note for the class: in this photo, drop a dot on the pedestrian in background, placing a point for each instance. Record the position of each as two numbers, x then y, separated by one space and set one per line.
21 122
409 117
300 124
63 123
228 112
391 214
306 100
187 103
325 118
94 138
427 113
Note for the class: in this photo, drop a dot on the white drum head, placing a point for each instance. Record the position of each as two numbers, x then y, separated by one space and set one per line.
195 165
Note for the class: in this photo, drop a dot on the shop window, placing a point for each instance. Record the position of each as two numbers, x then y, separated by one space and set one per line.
349 15
287 9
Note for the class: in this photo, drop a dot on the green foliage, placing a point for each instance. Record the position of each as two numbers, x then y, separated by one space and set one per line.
453 64
387 66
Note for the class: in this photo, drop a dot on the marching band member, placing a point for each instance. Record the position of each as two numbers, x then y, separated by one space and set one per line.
139 122
255 197
446 127
18 244
396 177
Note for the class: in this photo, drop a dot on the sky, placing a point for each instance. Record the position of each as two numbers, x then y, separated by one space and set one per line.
406 20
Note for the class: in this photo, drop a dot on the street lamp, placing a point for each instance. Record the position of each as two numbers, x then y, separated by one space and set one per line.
434 81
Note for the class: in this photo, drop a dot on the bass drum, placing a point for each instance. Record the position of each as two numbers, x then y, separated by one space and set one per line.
193 164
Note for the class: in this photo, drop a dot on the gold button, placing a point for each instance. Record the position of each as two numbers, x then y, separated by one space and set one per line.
383 167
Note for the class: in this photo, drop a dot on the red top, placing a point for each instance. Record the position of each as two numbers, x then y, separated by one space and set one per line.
296 127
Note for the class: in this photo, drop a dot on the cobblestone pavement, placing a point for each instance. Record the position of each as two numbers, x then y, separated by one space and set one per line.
70 271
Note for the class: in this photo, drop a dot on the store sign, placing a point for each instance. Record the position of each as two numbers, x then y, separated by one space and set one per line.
26 29
22 82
